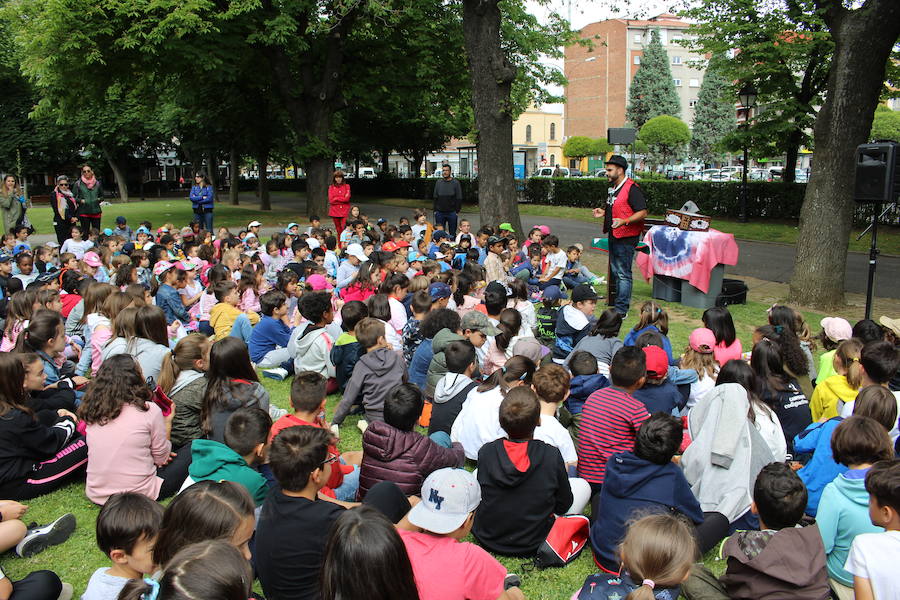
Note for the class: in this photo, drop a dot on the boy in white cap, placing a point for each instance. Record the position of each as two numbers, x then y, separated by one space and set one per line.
444 566
346 271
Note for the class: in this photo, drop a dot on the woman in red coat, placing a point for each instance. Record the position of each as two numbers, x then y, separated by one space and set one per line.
338 201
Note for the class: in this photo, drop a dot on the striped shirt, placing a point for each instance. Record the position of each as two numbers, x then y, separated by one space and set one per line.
609 423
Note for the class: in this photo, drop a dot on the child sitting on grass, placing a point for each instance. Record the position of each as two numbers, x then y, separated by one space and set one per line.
551 384
346 350
311 344
308 401
453 388
246 443
268 342
378 371
830 394
523 482
394 451
444 565
226 318
127 527
652 317
874 557
858 443
656 558
780 560
658 393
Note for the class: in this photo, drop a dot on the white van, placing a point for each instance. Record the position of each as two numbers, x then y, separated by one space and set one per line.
548 172
366 173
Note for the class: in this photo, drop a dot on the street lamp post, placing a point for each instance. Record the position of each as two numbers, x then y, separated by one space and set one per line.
747 98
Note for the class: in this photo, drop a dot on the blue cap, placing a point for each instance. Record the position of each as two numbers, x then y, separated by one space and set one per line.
414 256
439 290
5 258
107 231
19 248
120 220
142 230
439 235
552 292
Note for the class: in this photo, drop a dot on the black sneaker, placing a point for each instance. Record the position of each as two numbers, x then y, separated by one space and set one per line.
41 538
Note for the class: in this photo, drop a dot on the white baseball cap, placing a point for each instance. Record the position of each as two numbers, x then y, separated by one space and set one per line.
313 243
448 496
254 224
357 251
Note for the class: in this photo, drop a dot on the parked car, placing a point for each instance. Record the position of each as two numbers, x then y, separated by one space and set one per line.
366 173
549 172
676 175
575 173
758 175
601 173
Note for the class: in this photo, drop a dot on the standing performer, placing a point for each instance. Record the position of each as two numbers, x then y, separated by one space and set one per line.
623 220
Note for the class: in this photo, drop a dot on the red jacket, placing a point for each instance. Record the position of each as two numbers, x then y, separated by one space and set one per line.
339 200
404 457
621 209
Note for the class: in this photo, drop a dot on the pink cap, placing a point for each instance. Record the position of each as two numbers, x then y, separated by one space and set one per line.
543 229
161 267
703 340
836 328
91 259
318 282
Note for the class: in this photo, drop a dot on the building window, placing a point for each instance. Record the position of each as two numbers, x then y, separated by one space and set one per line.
676 60
676 39
637 60
552 160
638 38
695 83
692 103
528 133
552 131
677 82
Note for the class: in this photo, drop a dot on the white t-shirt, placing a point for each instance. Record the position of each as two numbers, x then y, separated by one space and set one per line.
769 427
847 411
558 259
552 432
398 314
479 421
699 389
875 556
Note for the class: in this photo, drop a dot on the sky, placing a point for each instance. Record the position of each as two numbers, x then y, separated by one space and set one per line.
584 12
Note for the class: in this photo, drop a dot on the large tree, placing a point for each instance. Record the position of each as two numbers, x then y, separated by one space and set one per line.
714 116
784 49
504 46
863 40
666 137
652 92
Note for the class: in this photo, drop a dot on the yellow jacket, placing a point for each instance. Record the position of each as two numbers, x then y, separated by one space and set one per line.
824 401
222 318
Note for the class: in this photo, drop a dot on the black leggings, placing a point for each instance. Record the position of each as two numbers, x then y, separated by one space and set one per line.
63 232
174 473
38 585
68 464
88 223
711 531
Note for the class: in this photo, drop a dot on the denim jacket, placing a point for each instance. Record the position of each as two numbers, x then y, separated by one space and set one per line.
168 299
202 197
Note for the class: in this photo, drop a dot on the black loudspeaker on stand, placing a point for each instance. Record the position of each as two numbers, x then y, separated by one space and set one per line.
877 182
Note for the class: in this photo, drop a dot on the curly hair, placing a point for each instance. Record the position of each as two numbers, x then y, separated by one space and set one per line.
118 382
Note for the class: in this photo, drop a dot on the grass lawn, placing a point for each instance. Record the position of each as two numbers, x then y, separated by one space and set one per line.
77 559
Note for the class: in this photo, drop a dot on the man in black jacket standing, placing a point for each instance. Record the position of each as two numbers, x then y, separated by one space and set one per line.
447 201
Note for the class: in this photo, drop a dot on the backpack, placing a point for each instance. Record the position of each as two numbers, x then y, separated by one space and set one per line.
564 543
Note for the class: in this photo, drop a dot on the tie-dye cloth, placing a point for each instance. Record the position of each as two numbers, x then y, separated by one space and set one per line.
688 255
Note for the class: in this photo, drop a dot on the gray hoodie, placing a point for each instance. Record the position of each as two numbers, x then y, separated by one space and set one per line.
146 352
438 365
375 375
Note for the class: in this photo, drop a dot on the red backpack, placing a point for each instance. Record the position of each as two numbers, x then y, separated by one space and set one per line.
564 543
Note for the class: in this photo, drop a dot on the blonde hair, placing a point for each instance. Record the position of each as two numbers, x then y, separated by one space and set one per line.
652 313
846 358
189 349
703 363
418 283
804 334
659 548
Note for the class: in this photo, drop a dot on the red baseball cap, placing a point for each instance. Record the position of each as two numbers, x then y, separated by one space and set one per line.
657 362
389 247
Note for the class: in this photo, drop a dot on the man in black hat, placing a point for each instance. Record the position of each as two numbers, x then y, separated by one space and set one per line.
623 219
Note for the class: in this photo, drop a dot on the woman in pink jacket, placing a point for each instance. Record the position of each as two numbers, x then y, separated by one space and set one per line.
338 200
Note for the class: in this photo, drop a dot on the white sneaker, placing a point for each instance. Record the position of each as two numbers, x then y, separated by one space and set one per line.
362 425
278 373
67 592
41 538
335 430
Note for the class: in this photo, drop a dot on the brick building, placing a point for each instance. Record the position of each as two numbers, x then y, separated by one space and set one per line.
599 77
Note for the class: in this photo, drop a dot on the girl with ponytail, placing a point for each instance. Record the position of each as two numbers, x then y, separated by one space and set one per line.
832 393
657 555
183 379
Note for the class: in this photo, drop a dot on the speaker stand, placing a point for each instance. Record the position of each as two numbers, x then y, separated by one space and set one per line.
873 254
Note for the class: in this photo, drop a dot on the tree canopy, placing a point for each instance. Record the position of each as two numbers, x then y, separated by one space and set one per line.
652 91
666 137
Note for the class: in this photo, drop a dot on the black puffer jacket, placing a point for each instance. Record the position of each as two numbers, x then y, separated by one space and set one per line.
403 457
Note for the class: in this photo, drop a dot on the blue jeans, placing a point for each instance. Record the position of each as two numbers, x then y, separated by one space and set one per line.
242 328
447 220
346 492
205 219
573 280
84 363
621 254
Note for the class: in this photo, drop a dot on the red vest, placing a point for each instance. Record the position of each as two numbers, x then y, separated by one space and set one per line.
621 209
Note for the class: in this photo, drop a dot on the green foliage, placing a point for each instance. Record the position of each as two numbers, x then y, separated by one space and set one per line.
714 116
886 124
578 146
652 91
666 137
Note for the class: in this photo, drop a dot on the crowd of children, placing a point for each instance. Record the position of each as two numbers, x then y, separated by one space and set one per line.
131 361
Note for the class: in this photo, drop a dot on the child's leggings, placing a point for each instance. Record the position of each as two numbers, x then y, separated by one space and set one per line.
69 464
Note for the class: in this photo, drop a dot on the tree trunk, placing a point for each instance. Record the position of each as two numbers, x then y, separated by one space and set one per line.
789 173
119 174
234 170
415 164
386 160
863 39
492 75
318 176
212 169
262 188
